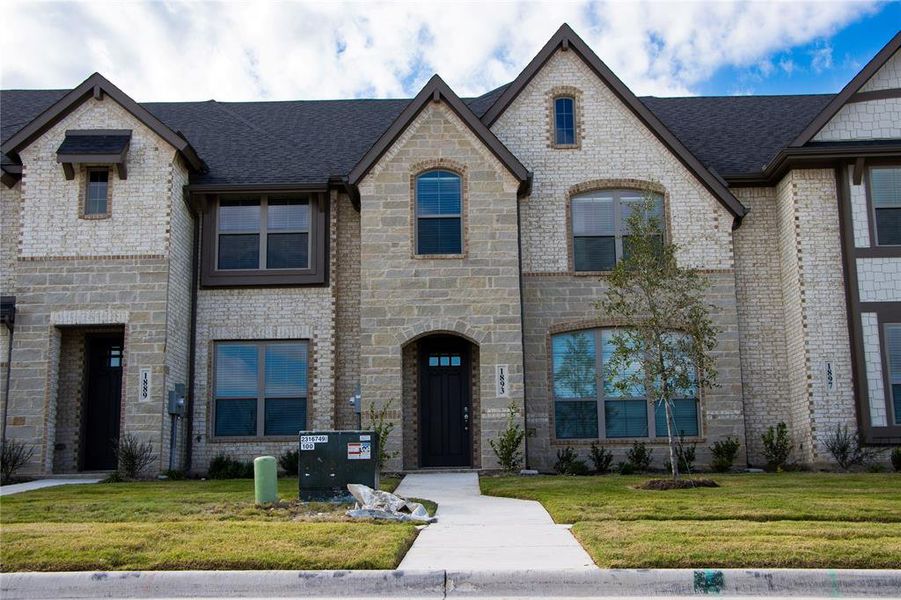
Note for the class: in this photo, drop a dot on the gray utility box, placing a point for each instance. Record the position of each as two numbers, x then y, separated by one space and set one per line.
329 460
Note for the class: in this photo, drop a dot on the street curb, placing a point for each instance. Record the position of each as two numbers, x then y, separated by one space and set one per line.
452 584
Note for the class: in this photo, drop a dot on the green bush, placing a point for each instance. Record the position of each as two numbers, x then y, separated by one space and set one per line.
625 468
508 443
639 457
378 421
290 462
14 455
602 459
896 458
724 453
133 456
175 475
848 449
569 463
685 456
226 467
777 447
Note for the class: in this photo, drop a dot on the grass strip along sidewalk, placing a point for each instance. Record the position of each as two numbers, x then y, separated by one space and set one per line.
180 525
788 520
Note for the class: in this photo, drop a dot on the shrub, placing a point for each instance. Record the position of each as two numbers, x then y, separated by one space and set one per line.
896 458
685 456
777 446
114 477
569 463
625 468
226 467
14 455
508 443
290 462
848 449
724 453
639 457
602 458
175 475
379 422
133 456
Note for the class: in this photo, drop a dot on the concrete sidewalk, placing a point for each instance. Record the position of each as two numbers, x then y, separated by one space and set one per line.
476 532
18 488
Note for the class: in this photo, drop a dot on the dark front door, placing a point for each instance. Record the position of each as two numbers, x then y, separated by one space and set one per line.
444 375
102 399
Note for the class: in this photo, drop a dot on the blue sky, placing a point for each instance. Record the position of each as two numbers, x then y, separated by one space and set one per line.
159 50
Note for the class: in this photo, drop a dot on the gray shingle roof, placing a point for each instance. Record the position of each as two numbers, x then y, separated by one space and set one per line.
94 144
310 141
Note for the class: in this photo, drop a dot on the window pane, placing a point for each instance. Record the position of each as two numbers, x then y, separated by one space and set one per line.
632 202
611 379
564 121
287 251
893 350
236 370
96 193
575 374
455 361
594 253
885 184
576 420
288 213
626 418
239 214
593 216
286 370
888 226
433 361
236 417
439 236
685 417
285 416
241 251
438 193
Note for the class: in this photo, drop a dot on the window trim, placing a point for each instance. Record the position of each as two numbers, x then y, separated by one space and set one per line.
552 96
315 274
618 236
600 399
414 210
83 193
871 206
557 129
261 393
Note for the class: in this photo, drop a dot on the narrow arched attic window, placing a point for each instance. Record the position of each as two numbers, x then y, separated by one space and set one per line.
439 213
564 121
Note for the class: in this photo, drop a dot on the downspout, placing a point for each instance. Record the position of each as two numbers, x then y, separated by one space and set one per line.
192 346
9 363
522 325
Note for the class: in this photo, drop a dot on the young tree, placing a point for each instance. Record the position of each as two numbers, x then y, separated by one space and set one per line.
667 329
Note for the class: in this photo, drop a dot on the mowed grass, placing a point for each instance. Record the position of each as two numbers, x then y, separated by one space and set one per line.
188 525
797 520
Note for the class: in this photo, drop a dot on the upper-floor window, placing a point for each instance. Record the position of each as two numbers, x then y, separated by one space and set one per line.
439 213
564 121
260 388
96 193
893 364
885 191
264 239
589 403
600 226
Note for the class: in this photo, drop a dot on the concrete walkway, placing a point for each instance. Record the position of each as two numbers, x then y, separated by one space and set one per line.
18 488
481 533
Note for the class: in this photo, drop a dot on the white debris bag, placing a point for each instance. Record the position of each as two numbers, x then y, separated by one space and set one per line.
376 504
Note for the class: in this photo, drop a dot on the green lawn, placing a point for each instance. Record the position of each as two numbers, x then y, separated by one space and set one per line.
801 520
188 525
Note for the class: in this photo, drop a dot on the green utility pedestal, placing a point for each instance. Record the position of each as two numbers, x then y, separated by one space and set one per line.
265 479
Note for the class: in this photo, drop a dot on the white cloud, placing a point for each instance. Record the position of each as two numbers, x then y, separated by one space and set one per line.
821 59
191 50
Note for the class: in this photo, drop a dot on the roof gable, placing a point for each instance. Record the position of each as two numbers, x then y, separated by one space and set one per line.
96 86
567 40
849 91
437 90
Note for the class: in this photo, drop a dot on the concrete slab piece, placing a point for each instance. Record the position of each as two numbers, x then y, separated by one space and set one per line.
476 532
18 488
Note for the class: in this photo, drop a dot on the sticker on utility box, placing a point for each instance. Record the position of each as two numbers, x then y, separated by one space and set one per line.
308 442
359 450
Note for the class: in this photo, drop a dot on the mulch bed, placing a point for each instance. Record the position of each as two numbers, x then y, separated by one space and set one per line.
681 484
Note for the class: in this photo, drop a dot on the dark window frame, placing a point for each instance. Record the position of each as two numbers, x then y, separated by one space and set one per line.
871 205
261 346
893 417
85 188
460 216
575 126
315 274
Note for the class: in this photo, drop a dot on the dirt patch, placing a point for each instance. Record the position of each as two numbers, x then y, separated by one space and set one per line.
681 484
291 510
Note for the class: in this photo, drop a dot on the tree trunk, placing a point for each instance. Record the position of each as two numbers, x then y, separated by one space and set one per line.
672 445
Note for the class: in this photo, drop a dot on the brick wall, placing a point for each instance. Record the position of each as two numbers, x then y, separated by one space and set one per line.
347 312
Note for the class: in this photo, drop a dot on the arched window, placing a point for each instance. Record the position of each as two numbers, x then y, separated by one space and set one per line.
564 121
439 213
599 226
589 404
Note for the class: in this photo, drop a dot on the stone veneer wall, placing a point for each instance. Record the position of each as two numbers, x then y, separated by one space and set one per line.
9 227
347 313
67 446
872 350
404 297
815 315
761 318
287 313
879 279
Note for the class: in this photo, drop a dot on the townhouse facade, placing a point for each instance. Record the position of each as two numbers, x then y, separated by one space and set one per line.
440 259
